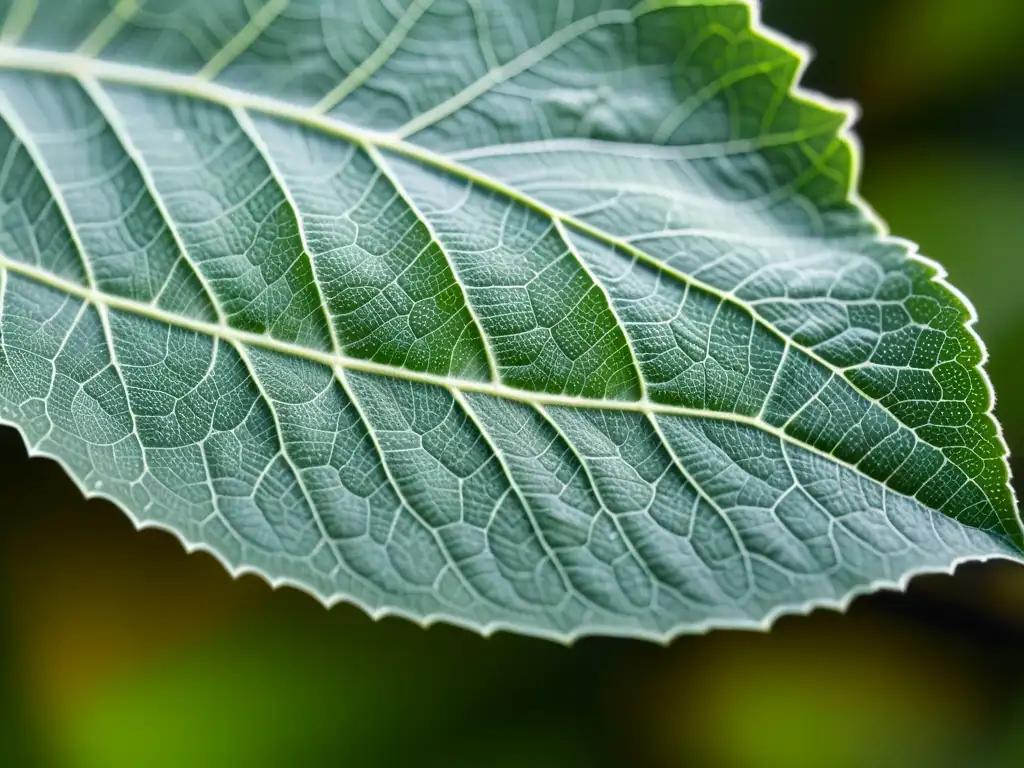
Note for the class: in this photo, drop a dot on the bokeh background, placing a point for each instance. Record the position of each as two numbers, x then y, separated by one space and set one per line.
119 649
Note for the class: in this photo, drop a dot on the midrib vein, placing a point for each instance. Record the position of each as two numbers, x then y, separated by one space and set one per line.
331 359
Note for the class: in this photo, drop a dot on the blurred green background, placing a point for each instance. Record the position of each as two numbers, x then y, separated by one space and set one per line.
118 649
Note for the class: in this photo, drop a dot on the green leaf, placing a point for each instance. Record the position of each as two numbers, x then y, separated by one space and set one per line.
558 317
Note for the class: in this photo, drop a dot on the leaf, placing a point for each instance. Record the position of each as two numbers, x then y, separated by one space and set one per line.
556 317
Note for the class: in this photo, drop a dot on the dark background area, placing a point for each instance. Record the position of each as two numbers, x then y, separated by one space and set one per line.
119 649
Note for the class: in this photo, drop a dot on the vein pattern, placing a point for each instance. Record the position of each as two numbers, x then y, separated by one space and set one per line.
555 316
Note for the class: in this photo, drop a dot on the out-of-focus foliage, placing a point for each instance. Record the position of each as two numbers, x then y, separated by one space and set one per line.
120 650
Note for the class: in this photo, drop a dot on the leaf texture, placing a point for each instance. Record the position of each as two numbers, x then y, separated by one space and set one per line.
554 316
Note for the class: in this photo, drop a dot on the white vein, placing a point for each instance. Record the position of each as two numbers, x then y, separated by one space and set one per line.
10 115
286 454
633 151
516 66
112 116
499 456
369 66
252 133
19 17
339 373
381 163
260 20
107 30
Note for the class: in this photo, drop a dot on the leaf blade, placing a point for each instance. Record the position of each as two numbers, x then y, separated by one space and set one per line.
709 342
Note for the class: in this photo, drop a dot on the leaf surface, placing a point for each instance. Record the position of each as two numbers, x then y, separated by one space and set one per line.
563 317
